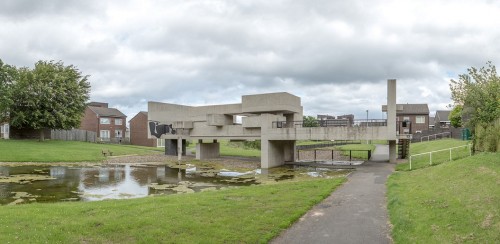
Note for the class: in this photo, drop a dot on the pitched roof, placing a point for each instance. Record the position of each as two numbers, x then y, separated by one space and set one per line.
414 109
443 115
107 112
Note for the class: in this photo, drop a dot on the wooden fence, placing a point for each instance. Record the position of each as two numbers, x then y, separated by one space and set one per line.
73 135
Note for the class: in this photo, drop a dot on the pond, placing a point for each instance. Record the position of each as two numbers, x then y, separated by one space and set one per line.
31 183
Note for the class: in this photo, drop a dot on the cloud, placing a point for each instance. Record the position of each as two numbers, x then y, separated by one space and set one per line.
336 55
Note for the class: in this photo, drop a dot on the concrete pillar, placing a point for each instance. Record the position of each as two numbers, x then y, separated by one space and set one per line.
276 153
392 152
179 149
289 151
171 147
391 119
207 150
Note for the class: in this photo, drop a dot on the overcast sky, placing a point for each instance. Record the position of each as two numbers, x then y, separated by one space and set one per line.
335 55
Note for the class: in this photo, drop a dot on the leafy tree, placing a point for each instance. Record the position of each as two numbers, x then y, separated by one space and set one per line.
310 121
479 94
456 116
8 74
51 96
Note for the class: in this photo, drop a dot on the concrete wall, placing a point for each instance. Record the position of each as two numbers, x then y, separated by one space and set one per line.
207 150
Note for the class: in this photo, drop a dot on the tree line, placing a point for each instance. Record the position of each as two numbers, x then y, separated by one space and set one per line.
49 96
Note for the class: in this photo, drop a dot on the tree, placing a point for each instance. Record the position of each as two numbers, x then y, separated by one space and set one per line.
455 116
478 92
310 121
51 96
8 74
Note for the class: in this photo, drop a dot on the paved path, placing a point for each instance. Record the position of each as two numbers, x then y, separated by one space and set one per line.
381 153
355 213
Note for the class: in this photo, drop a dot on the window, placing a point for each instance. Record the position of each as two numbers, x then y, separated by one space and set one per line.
160 142
118 121
118 133
406 118
104 121
420 119
104 134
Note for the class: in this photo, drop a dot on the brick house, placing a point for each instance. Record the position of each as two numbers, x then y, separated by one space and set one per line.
108 123
417 114
139 132
441 119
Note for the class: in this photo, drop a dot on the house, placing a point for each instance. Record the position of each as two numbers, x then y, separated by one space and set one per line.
416 114
139 132
4 130
431 123
108 123
441 119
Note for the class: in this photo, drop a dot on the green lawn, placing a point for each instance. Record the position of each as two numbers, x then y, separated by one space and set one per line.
455 202
357 154
64 151
423 161
253 214
228 148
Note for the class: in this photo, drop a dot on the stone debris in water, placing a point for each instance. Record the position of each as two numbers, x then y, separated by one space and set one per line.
24 178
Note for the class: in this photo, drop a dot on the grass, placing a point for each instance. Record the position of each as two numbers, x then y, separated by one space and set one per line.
64 151
228 148
357 154
455 202
423 161
253 214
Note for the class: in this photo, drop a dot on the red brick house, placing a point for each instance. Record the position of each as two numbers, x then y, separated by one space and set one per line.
108 123
417 114
139 132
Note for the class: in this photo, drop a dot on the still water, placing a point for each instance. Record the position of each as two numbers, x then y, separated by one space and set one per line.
25 184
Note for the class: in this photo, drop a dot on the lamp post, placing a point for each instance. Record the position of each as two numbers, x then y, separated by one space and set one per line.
367 126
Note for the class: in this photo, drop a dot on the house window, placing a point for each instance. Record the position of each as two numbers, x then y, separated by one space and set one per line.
118 133
104 121
160 142
406 118
105 134
118 121
420 119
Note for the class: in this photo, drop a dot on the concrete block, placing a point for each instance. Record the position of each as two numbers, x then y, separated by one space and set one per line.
207 150
219 119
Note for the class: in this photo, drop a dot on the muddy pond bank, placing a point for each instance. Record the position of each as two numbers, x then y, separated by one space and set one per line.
138 176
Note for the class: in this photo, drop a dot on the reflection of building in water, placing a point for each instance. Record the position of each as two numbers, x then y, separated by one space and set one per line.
4 191
95 177
144 174
4 171
57 172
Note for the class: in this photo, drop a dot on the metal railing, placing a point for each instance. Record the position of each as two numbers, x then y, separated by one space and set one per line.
442 150
330 123
435 136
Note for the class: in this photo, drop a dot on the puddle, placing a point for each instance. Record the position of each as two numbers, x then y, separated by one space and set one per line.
45 183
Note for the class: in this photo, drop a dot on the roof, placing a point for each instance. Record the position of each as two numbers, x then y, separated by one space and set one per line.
107 112
413 109
443 115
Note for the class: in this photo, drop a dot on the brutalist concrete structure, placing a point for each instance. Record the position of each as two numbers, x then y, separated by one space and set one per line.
271 118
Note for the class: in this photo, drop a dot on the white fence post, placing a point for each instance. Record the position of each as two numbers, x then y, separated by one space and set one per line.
450 154
430 158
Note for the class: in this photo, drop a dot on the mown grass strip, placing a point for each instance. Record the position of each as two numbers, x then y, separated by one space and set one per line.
64 151
454 202
253 214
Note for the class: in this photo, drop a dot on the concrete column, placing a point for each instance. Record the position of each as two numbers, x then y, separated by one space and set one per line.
207 150
179 148
392 151
273 153
391 119
171 147
289 151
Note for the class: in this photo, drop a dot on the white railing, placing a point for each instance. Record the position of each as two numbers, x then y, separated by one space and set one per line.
435 136
447 149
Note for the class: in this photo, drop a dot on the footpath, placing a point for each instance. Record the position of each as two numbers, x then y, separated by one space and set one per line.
355 213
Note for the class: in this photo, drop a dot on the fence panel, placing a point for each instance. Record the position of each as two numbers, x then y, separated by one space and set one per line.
74 135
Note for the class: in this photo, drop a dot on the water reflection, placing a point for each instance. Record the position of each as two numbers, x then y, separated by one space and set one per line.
64 183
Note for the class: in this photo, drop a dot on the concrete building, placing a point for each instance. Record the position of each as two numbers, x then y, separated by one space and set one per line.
262 115
139 132
109 123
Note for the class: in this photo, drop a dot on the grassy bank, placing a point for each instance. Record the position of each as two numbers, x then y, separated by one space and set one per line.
63 151
453 202
423 161
252 214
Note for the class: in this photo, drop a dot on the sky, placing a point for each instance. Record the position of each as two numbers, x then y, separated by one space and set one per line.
335 55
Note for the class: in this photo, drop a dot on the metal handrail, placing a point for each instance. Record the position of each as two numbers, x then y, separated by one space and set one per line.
331 123
435 136
430 153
